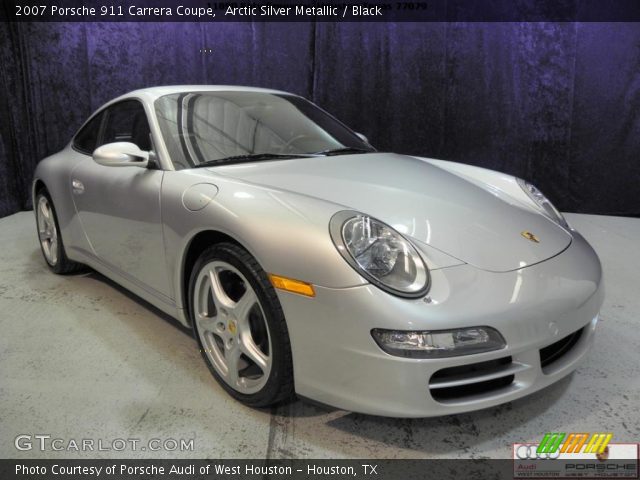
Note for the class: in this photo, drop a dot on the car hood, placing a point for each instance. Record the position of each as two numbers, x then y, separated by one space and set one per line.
479 226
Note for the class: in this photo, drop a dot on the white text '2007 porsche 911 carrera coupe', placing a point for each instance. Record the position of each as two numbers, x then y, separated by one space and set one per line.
307 262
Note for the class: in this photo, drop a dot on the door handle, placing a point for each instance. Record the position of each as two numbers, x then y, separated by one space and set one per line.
77 186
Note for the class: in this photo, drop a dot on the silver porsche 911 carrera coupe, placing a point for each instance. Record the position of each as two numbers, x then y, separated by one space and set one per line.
306 262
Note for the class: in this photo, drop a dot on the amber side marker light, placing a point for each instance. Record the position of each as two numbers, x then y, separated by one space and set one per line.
291 285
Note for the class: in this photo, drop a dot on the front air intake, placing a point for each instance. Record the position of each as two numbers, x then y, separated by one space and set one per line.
557 350
459 383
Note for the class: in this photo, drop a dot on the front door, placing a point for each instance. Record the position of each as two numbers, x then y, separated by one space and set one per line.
119 207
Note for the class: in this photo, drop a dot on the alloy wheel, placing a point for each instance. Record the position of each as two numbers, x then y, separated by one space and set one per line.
232 327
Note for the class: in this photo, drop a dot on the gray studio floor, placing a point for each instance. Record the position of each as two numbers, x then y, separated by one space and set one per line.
81 358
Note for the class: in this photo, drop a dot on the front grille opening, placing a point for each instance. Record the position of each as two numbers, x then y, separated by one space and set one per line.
452 393
559 349
467 374
473 369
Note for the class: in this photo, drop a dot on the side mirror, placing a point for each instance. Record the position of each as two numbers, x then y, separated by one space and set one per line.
121 154
363 138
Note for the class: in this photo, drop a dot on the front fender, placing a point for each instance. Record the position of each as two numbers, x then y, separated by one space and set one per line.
287 233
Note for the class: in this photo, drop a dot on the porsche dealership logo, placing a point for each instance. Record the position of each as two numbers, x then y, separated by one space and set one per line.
574 442
530 236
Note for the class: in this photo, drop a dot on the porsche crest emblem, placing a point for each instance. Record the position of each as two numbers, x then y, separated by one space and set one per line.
530 236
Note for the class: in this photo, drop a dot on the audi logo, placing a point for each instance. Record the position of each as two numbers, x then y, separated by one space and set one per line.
528 452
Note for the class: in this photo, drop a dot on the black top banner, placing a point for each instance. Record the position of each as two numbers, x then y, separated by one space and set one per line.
322 11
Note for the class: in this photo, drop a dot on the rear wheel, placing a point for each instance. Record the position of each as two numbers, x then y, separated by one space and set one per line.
50 238
239 325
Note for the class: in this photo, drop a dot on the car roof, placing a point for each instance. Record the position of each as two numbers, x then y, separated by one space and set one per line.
153 93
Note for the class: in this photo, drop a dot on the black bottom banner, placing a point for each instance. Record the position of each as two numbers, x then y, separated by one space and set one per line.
315 469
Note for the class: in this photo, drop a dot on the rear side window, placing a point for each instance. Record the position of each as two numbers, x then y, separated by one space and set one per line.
127 122
87 139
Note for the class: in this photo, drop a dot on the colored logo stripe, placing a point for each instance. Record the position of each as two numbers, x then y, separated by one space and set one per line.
574 442
598 443
550 442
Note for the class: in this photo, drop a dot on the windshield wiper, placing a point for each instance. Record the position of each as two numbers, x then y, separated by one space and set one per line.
342 150
250 158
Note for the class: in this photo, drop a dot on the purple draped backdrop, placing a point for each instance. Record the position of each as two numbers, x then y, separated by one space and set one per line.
556 103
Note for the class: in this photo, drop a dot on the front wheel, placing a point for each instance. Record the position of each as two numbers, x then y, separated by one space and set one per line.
240 327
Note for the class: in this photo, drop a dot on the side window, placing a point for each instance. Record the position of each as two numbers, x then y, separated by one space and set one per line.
127 122
87 139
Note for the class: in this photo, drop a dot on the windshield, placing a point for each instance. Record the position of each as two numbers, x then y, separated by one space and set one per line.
209 128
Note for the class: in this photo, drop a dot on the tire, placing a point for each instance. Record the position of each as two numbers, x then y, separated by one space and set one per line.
49 237
240 327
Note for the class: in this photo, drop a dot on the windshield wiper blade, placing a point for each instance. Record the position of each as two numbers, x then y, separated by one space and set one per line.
249 158
341 150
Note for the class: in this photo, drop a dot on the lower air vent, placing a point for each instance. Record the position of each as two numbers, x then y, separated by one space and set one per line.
557 350
457 383
459 393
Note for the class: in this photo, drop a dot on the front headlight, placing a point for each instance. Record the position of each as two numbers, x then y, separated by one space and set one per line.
380 254
543 202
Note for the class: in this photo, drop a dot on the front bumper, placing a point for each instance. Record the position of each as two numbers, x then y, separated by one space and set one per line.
337 362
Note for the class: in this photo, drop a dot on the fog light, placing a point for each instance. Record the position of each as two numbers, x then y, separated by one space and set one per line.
438 343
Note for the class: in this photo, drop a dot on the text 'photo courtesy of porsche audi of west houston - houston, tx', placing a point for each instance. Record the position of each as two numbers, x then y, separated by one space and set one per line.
307 262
